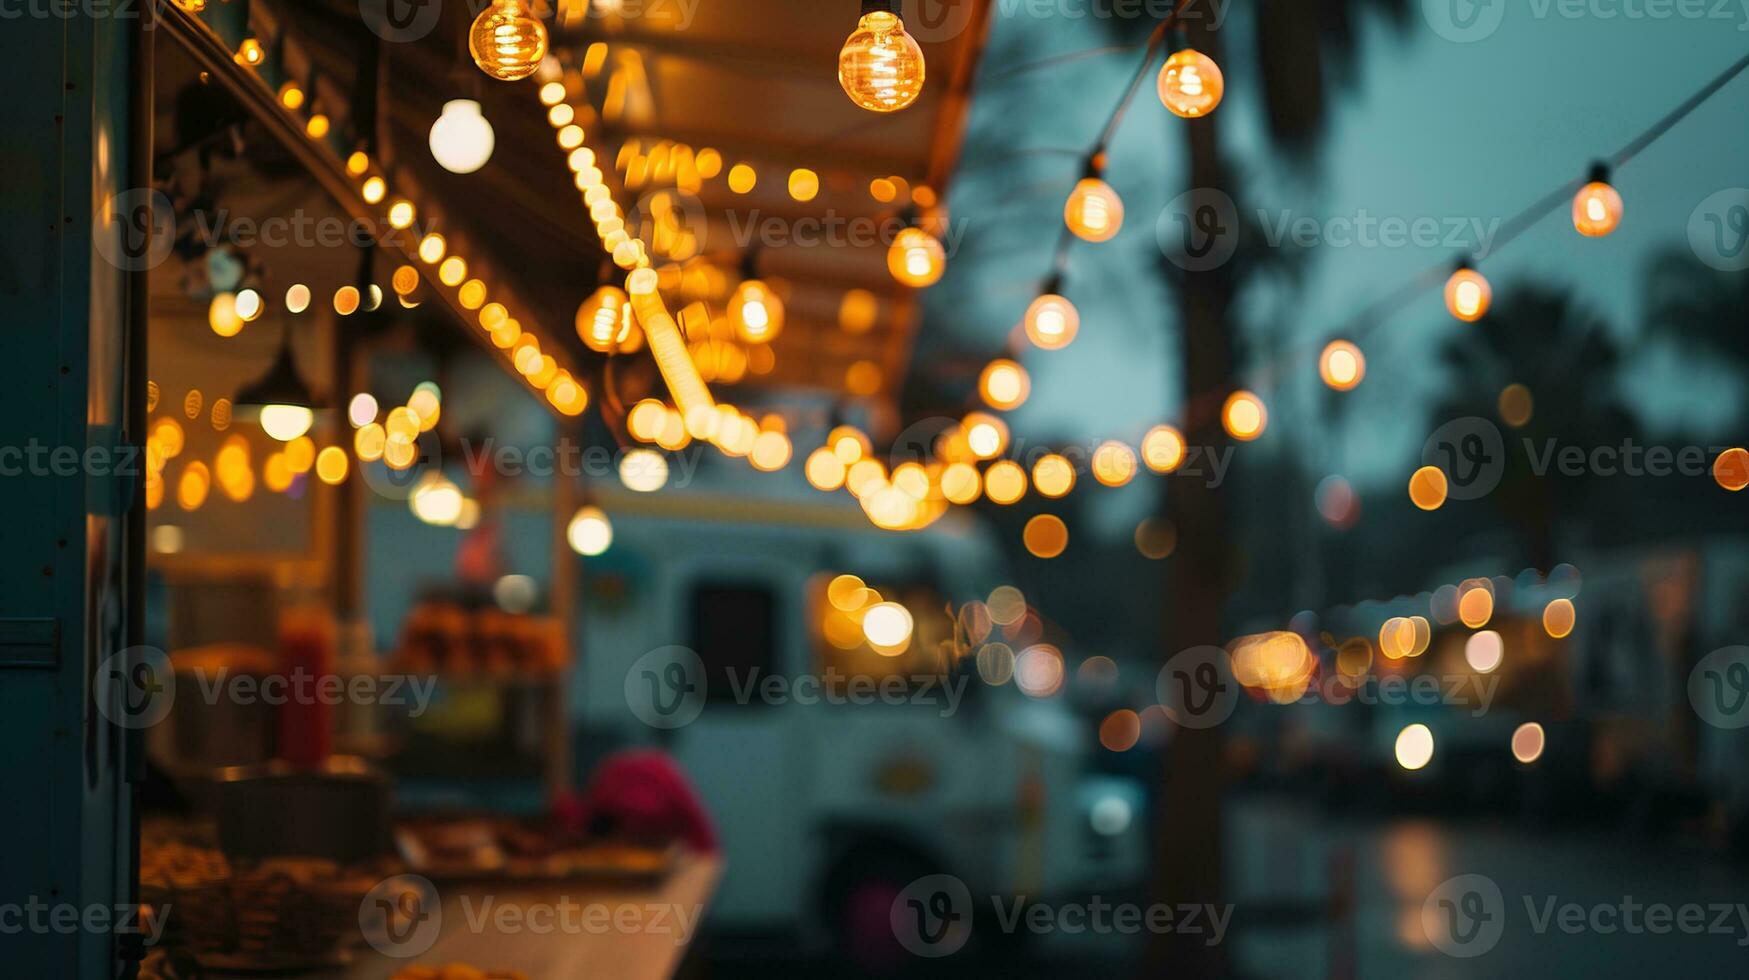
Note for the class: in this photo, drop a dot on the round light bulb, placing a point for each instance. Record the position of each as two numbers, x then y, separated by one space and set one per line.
461 138
223 316
1342 365
589 533
881 66
1094 211
1244 416
286 422
1191 84
1052 322
756 312
1004 384
1468 295
916 259
604 320
1597 210
507 40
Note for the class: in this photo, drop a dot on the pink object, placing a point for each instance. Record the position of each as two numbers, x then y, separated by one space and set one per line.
640 794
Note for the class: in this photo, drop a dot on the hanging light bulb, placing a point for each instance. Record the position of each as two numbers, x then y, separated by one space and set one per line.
507 40
1052 321
589 533
1094 212
1342 365
1004 384
1597 209
604 321
756 312
250 53
287 408
461 138
916 259
1191 84
881 66
1467 294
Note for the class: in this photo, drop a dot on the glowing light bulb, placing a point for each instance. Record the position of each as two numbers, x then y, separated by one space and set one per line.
881 66
222 315
1244 416
507 40
250 53
461 138
1191 84
604 320
589 533
286 422
1342 365
1094 211
916 259
1468 295
1597 209
1052 322
1004 384
756 312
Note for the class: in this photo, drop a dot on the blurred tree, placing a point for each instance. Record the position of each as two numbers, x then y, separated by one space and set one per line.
1568 359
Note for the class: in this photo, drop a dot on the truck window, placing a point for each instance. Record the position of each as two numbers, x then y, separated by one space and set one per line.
734 631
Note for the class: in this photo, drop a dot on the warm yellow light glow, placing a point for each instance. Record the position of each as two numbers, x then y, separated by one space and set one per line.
961 483
1559 617
590 533
453 270
916 259
887 627
461 139
300 454
857 311
431 249
825 471
1114 464
552 93
291 96
401 214
362 410
471 295
1004 482
437 501
643 470
604 321
1094 212
222 315
1190 84
346 300
507 41
1051 322
250 53
191 489
369 442
1163 449
881 66
357 163
1414 747
804 184
1004 384
1475 606
1468 295
771 451
297 298
374 190
1516 405
848 443
1342 365
1597 210
1428 488
1484 651
1244 416
1053 476
317 126
986 435
756 312
331 465
742 178
286 422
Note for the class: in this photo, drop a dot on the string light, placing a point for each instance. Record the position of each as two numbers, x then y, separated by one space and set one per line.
1244 416
1004 384
1468 294
755 310
1051 322
604 321
461 138
1094 212
881 66
1342 365
1597 208
507 41
916 258
1190 84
